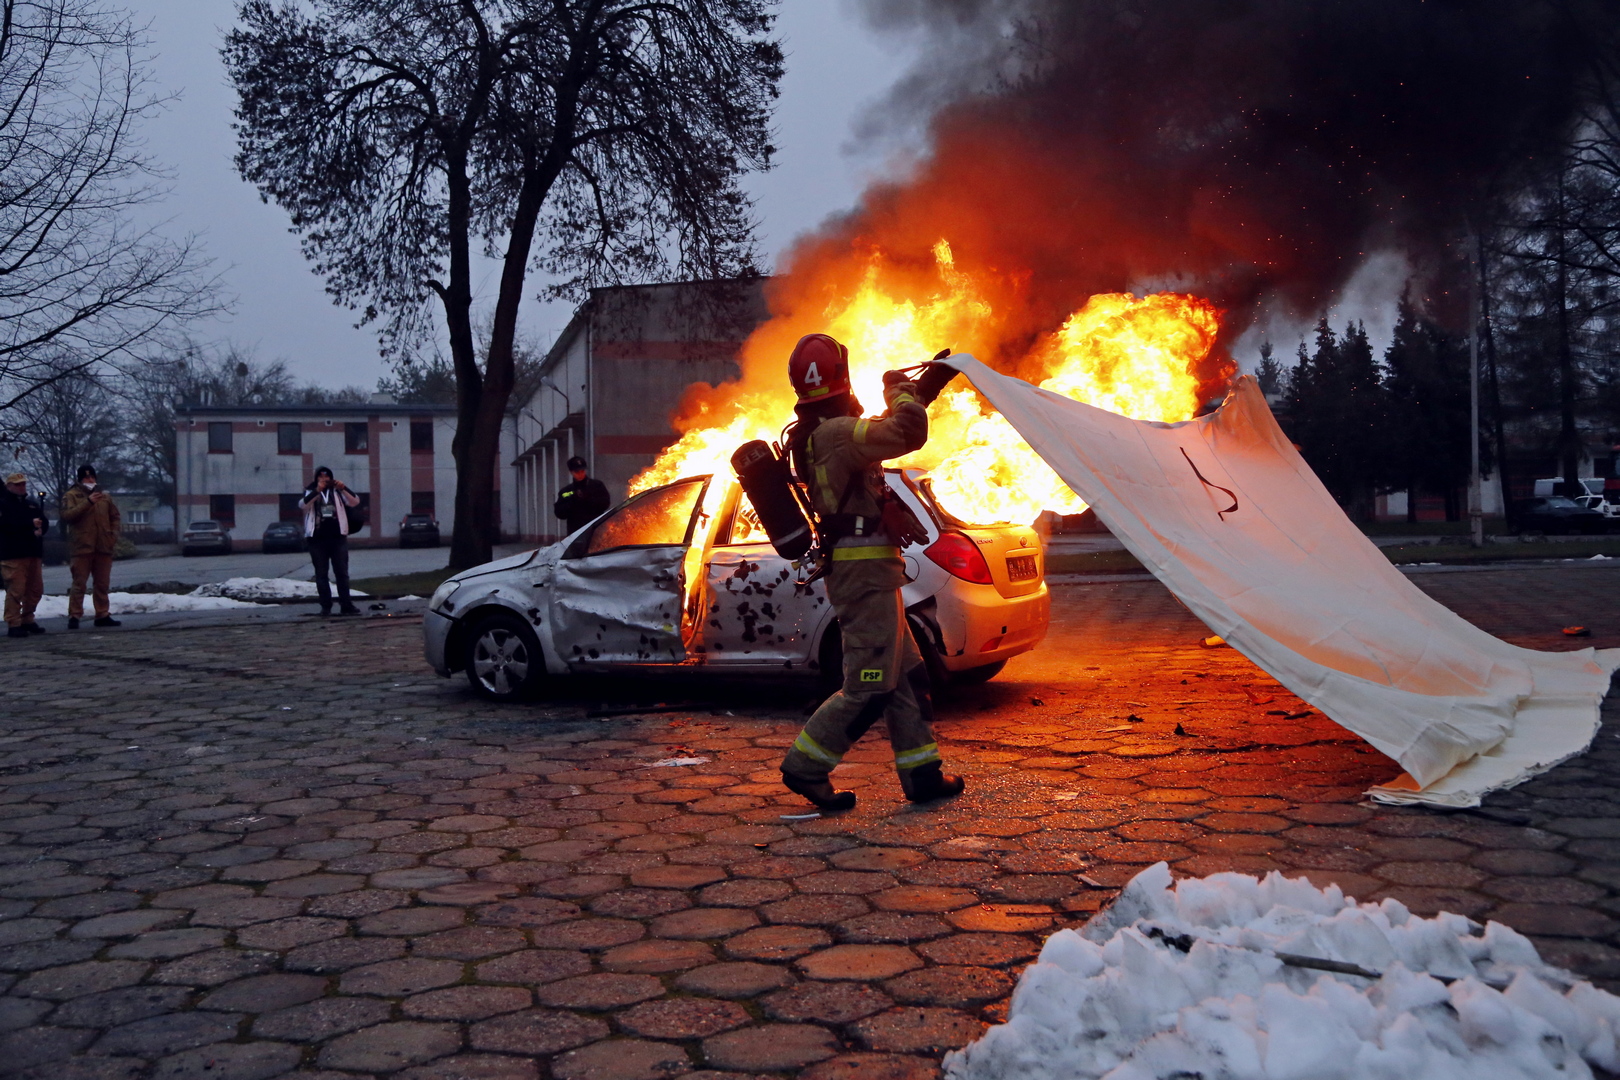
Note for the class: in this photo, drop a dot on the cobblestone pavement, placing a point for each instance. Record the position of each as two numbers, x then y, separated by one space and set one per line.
288 849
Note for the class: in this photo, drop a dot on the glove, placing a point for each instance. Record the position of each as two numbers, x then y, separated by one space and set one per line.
933 380
894 378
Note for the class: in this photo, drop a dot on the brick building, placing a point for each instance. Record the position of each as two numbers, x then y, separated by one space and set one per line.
614 378
246 466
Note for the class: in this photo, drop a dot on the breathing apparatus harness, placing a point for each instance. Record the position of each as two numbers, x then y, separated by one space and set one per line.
774 477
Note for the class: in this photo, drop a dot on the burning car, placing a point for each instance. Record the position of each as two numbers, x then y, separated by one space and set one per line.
681 576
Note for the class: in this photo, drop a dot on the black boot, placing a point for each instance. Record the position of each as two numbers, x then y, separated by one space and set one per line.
16 631
108 620
33 628
73 624
819 792
929 784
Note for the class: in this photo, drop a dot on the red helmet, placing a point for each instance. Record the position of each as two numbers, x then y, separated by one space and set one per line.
818 368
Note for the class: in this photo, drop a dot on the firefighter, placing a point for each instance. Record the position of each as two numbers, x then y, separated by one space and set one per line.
838 456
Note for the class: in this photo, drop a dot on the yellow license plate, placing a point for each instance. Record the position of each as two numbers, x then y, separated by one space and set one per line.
1021 568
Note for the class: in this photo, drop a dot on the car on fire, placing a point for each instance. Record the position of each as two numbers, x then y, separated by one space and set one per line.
681 577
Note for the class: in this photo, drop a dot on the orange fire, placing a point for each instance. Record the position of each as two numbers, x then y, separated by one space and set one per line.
1137 357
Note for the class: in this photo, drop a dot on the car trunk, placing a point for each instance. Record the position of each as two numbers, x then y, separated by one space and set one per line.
1014 554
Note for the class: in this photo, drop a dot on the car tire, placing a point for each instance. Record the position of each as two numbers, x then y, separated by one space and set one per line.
981 674
503 660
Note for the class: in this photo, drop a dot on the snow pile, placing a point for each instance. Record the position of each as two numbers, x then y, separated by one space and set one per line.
262 589
1184 981
123 603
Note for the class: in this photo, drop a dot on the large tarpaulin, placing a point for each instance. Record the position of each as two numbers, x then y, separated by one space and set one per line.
1225 512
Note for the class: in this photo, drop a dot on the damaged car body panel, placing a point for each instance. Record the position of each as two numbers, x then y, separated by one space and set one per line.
683 576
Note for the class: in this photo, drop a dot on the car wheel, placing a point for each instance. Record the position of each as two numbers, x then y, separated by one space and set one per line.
503 658
981 674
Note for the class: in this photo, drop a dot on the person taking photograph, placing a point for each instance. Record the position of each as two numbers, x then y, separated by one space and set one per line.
326 505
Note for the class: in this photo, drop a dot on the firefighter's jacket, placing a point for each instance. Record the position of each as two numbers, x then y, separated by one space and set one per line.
846 445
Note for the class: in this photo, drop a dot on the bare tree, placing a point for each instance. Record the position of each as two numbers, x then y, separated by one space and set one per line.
68 421
79 283
397 133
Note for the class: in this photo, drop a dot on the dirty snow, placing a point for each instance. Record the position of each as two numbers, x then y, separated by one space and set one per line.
1111 1001
258 588
123 603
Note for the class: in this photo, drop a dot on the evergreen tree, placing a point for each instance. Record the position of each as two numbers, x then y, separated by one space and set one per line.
1270 374
1428 422
1338 414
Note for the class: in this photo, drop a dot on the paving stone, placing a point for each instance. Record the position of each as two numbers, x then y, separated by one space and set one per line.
1555 920
21 1012
951 985
284 934
245 912
467 1003
535 1032
682 1018
341 954
888 927
160 1035
354 905
265 993
526 912
821 910
599 991
621 1059
913 1030
319 1020
770 1047
776 943
923 899
167 944
33 955
77 980
41 1045
1003 918
825 1003
734 980
987 950
877 858
466 893
676 877
229 1061
400 978
470 942
862 962
409 921
747 893
639 903
111 1008
214 967
125 923
704 924
387 1047
534 966
473 1067
872 1067
417 877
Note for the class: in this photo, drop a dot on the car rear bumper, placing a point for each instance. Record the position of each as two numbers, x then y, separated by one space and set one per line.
980 626
435 641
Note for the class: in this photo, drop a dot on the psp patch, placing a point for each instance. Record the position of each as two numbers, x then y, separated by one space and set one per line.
871 675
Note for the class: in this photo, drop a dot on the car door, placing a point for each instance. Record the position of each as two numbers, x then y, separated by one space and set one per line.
617 592
756 614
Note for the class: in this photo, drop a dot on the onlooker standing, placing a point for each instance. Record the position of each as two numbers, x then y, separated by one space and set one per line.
94 523
583 501
22 549
326 505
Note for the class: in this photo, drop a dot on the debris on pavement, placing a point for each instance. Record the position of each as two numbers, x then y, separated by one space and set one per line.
1214 641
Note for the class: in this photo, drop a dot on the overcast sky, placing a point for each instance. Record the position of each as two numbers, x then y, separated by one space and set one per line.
837 70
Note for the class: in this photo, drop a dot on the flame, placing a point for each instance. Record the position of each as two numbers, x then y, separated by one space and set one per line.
1136 357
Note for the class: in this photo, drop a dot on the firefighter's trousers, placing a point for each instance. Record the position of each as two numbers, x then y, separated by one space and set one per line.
884 675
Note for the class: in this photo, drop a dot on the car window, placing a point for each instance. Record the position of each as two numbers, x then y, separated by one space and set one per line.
660 516
1561 502
745 526
204 526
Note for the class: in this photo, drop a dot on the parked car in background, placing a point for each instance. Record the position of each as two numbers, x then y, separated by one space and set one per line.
418 530
681 577
1559 514
205 538
283 536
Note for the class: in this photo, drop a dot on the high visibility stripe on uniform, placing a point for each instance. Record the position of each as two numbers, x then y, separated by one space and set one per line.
860 430
877 551
922 755
902 399
813 750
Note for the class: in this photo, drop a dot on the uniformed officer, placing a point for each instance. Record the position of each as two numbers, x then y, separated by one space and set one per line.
838 456
583 501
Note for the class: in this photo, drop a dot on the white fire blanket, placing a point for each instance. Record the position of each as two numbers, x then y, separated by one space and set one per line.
1226 513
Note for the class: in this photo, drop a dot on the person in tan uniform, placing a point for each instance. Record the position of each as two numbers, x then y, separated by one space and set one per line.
837 454
93 524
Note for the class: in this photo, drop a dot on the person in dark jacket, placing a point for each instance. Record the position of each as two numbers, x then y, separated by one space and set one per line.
22 549
583 501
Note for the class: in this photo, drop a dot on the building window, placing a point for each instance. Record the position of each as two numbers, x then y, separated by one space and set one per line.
289 508
289 438
356 438
422 502
421 436
222 508
139 518
219 437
